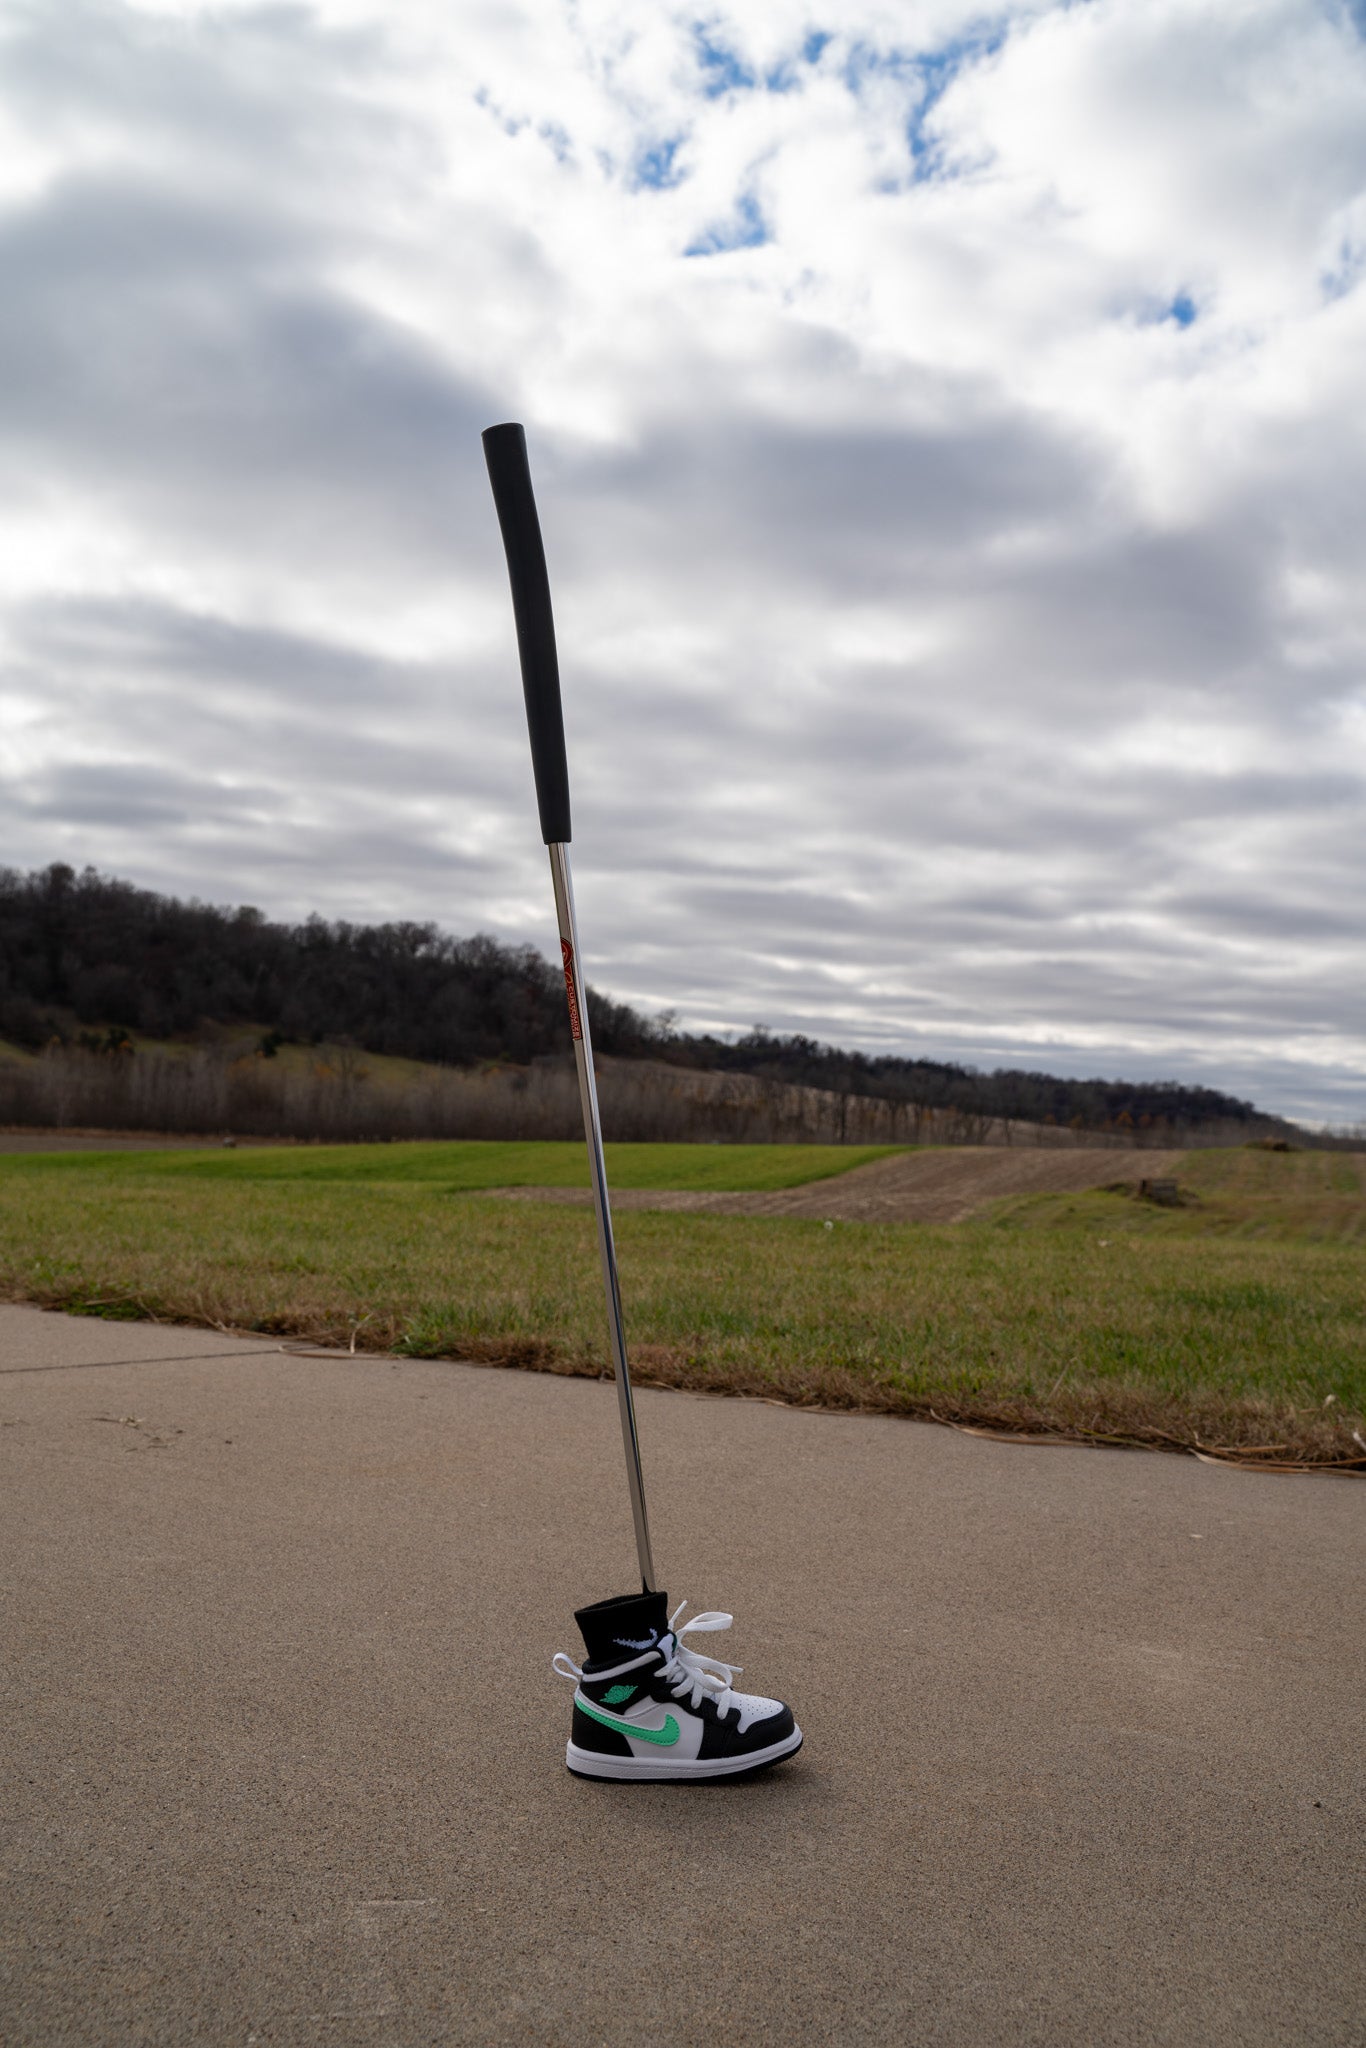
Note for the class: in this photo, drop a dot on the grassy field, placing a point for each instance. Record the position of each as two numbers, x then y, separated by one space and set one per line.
1235 1321
464 1166
1239 1192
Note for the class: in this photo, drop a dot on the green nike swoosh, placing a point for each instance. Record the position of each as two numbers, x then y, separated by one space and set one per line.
666 1736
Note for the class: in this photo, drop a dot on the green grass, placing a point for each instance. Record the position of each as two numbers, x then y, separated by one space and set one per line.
1237 1321
467 1165
1240 1193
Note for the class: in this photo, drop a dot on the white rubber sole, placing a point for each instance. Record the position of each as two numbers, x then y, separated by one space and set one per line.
591 1763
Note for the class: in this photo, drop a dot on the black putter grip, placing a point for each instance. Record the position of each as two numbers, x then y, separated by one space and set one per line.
505 453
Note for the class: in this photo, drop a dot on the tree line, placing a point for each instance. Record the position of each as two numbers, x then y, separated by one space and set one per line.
1013 1094
87 950
86 958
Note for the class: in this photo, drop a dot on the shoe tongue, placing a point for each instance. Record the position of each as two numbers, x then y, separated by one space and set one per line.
615 1629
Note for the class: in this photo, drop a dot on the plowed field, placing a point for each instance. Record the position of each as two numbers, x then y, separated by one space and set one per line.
933 1186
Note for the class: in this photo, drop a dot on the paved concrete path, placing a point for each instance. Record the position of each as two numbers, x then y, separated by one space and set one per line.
1084 1757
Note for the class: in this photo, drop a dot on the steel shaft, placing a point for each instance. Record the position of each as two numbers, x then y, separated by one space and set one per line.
592 1130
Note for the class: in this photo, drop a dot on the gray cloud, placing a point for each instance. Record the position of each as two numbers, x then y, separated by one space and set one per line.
904 706
177 363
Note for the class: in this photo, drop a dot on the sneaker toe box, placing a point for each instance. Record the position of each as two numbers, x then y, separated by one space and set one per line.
766 1722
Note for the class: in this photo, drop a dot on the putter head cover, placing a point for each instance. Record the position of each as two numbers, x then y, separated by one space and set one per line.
633 1622
648 1706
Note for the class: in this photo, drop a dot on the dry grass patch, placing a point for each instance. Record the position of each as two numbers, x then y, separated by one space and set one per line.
1113 1321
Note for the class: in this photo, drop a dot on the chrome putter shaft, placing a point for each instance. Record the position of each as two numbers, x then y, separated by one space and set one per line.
510 476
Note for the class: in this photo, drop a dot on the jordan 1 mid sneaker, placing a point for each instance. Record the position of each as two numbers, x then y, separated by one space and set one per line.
646 1706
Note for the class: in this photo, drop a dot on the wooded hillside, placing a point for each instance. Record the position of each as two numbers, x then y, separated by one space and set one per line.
86 955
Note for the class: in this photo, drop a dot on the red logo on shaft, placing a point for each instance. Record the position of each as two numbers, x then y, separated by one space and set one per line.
569 988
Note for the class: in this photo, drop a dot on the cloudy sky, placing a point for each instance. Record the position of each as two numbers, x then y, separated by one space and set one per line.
949 436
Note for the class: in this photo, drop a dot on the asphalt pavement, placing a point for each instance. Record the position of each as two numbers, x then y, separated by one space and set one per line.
284 1755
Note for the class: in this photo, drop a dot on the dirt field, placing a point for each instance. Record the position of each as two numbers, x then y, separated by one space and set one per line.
914 1187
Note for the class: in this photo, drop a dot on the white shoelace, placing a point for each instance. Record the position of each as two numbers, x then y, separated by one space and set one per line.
684 1671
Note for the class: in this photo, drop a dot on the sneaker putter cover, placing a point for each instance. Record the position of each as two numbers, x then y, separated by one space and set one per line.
646 1706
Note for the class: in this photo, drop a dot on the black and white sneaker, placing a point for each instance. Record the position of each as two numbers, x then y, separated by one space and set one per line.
647 1707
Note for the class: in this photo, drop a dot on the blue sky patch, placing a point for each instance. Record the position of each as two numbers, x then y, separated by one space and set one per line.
511 124
926 75
746 229
658 166
864 62
722 71
786 75
1179 311
558 138
1346 273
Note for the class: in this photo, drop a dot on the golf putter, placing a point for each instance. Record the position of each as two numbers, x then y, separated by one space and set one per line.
510 475
646 1705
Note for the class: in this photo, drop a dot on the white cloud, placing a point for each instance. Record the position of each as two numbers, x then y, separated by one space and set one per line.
956 568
